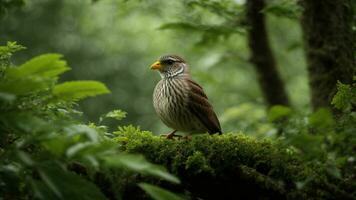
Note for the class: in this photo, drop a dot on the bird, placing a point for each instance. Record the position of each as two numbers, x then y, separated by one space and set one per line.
179 101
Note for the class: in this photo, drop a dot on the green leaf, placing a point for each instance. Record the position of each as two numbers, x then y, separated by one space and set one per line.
56 145
78 129
36 74
309 144
301 184
43 66
24 86
7 51
76 148
25 158
231 10
322 119
115 114
211 29
344 97
284 8
158 193
93 150
139 164
67 185
334 171
76 90
278 112
27 123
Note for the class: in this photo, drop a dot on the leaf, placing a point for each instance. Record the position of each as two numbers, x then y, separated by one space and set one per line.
115 114
139 164
309 144
36 74
278 112
158 193
76 90
7 51
180 25
78 129
76 148
24 86
86 149
231 10
301 184
334 171
25 158
285 8
344 97
322 119
27 123
211 29
56 145
67 185
44 66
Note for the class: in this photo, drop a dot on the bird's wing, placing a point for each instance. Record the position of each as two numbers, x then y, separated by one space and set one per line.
201 108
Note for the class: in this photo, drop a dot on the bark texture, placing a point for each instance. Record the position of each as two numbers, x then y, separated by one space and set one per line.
262 57
330 46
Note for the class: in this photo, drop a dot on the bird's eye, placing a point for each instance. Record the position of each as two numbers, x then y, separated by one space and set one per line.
170 62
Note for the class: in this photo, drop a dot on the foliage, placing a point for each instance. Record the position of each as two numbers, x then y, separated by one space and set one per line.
115 114
139 164
51 150
323 138
252 168
277 112
230 15
78 90
284 8
345 98
159 193
45 150
120 57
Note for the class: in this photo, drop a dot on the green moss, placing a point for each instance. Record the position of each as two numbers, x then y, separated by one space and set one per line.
197 163
222 166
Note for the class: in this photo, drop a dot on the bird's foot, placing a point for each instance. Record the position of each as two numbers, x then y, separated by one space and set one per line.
170 135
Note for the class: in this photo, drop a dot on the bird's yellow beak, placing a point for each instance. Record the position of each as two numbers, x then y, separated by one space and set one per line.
156 65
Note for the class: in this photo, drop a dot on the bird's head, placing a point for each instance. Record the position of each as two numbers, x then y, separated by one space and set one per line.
170 66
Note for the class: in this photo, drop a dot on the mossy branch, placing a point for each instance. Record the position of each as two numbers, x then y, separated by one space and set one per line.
228 166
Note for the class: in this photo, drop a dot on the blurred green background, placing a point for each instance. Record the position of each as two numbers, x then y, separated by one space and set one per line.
115 42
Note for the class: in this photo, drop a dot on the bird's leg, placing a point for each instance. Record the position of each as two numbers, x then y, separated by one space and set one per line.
186 137
171 135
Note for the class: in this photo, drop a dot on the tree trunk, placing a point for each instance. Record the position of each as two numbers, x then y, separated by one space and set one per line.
269 79
330 46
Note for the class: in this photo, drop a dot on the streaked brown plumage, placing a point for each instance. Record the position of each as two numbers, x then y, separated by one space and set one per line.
179 101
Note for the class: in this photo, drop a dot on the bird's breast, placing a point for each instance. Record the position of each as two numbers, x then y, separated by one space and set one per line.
170 99
169 96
